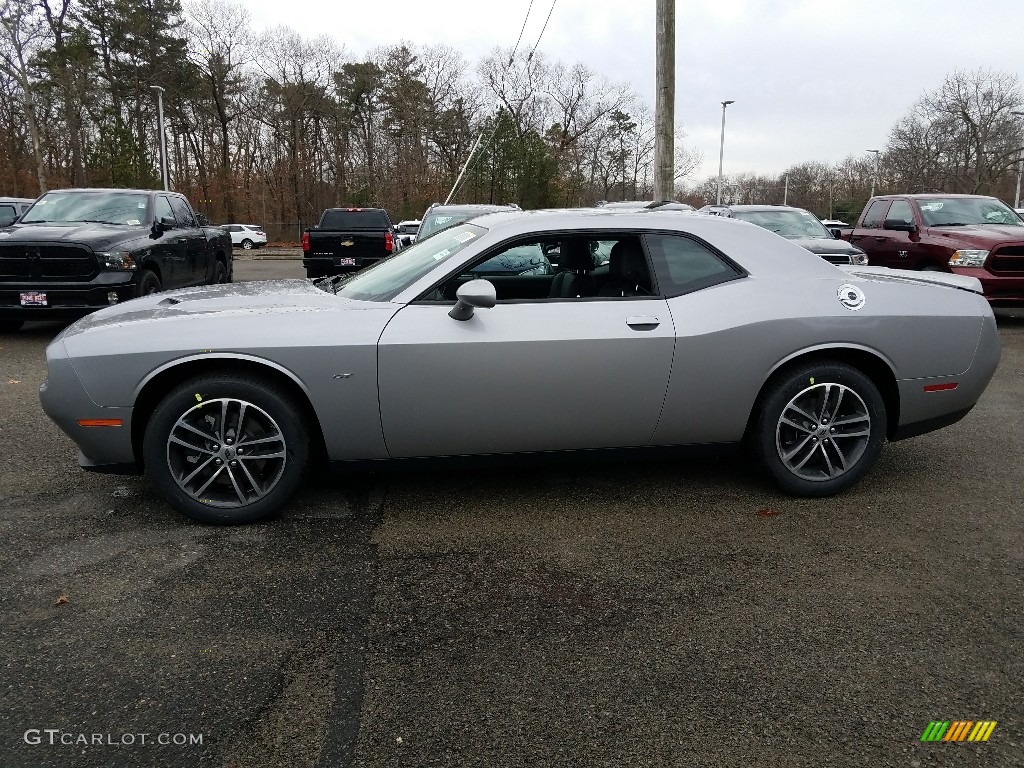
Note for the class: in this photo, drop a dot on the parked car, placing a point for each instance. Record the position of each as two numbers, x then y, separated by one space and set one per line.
347 240
796 224
972 235
12 207
440 217
406 231
652 205
700 330
77 250
247 236
1020 212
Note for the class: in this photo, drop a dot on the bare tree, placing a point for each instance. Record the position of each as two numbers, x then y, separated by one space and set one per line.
23 32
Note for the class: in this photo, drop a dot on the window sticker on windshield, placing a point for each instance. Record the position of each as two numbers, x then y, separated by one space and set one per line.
931 206
134 222
441 254
42 202
141 205
464 237
443 219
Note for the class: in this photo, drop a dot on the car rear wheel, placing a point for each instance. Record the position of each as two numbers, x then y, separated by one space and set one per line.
148 283
247 244
820 428
227 449
11 326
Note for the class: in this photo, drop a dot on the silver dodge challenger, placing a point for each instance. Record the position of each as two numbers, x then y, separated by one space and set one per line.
524 332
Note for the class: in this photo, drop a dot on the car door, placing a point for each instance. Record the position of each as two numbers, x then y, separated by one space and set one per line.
870 236
531 374
893 247
170 248
196 264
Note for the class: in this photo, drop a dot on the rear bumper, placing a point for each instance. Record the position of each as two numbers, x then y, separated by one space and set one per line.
332 264
66 300
1000 290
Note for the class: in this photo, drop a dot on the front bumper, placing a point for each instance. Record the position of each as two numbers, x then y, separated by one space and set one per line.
1000 290
66 401
66 300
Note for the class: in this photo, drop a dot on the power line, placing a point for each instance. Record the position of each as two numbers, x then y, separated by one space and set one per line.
552 8
521 30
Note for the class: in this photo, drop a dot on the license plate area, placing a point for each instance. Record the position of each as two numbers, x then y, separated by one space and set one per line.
348 261
33 299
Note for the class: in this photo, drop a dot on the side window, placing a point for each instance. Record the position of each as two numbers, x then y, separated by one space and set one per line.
525 259
7 215
182 213
163 208
683 264
876 214
901 211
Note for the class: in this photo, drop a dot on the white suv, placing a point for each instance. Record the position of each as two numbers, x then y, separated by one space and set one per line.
246 236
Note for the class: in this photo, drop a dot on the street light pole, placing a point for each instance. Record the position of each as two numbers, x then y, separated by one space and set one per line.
874 176
721 151
1020 168
163 134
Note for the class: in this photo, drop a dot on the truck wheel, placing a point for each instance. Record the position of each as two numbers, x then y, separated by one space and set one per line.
247 244
220 273
148 283
820 428
226 449
11 326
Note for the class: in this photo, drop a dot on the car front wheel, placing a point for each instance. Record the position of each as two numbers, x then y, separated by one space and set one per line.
820 428
247 244
227 449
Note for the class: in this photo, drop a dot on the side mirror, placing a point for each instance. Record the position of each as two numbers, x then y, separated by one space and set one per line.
898 225
475 293
837 233
164 223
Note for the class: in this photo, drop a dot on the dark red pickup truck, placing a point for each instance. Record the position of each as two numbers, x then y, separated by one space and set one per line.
347 240
966 234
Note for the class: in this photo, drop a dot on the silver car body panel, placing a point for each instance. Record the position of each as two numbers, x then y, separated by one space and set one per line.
401 378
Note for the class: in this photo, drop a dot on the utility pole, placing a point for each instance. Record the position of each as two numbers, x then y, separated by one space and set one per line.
163 134
1020 167
665 101
874 176
785 192
721 152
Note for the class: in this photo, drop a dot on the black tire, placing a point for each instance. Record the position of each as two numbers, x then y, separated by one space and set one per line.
247 244
220 273
11 326
251 488
830 392
148 283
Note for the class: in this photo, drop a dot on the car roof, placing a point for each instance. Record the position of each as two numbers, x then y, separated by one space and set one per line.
17 199
117 189
753 208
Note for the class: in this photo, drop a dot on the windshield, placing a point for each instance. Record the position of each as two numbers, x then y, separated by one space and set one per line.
125 208
793 225
963 211
435 222
390 277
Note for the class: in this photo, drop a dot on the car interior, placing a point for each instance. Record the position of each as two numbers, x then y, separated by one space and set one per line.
563 268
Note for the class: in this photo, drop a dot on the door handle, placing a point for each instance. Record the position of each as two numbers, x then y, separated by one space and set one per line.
180 240
880 239
642 322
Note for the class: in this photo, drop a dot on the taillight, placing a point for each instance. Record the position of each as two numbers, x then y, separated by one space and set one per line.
305 241
389 241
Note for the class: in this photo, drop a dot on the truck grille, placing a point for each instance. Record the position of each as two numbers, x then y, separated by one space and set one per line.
26 263
836 258
1007 259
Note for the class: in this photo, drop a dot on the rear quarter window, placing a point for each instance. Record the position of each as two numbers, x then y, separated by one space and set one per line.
684 265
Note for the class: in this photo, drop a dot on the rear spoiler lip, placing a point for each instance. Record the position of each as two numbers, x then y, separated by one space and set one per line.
944 279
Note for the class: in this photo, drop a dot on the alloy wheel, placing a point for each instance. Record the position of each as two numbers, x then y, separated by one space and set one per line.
823 432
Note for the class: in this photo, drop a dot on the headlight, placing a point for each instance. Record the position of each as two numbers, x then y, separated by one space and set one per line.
859 259
968 259
119 260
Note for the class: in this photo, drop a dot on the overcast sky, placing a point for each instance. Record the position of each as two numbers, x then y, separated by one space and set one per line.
812 79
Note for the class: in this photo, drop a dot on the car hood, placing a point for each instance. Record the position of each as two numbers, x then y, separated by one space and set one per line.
824 246
985 235
97 236
233 299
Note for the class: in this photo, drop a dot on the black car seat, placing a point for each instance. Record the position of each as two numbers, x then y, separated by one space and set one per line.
627 271
576 261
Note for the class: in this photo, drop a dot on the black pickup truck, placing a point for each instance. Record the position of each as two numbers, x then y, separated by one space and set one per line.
78 250
346 240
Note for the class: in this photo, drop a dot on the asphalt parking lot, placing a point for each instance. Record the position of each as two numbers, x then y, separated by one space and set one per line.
656 612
